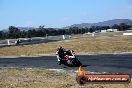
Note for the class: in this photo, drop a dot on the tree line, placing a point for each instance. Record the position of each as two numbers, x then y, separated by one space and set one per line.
14 32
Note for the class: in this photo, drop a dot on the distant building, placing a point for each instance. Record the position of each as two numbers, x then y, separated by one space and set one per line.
103 31
115 30
108 30
112 30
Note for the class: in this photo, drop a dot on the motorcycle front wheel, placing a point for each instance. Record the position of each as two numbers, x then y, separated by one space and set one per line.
76 62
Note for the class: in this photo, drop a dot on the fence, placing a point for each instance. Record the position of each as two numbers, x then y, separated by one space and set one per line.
33 40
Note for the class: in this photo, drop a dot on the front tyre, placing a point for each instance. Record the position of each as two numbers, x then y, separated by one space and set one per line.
76 62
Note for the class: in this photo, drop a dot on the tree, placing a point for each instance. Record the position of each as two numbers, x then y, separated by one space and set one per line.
104 27
1 34
52 31
41 27
61 32
14 32
92 29
24 34
123 27
86 30
115 26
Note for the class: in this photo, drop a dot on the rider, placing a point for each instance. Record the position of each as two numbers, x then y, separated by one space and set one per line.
60 54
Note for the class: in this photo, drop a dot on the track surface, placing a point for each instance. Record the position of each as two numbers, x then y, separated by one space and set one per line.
114 63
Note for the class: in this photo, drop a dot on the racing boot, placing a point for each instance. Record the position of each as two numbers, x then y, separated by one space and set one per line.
59 62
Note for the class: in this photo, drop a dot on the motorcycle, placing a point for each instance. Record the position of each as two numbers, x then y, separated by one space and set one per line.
69 59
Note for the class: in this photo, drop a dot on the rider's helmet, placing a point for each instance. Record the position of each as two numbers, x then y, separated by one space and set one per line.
60 46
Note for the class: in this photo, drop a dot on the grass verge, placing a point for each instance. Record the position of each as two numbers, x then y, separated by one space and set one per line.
35 78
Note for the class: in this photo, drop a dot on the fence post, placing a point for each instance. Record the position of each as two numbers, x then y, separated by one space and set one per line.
63 37
93 34
8 42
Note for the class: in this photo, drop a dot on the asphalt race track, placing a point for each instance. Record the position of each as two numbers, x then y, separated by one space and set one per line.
113 63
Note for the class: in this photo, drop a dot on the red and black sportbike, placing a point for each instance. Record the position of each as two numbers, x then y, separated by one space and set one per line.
69 59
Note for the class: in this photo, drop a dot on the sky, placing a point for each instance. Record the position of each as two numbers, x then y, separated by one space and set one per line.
61 13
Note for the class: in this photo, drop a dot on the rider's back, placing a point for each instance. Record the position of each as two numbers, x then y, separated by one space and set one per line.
61 52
